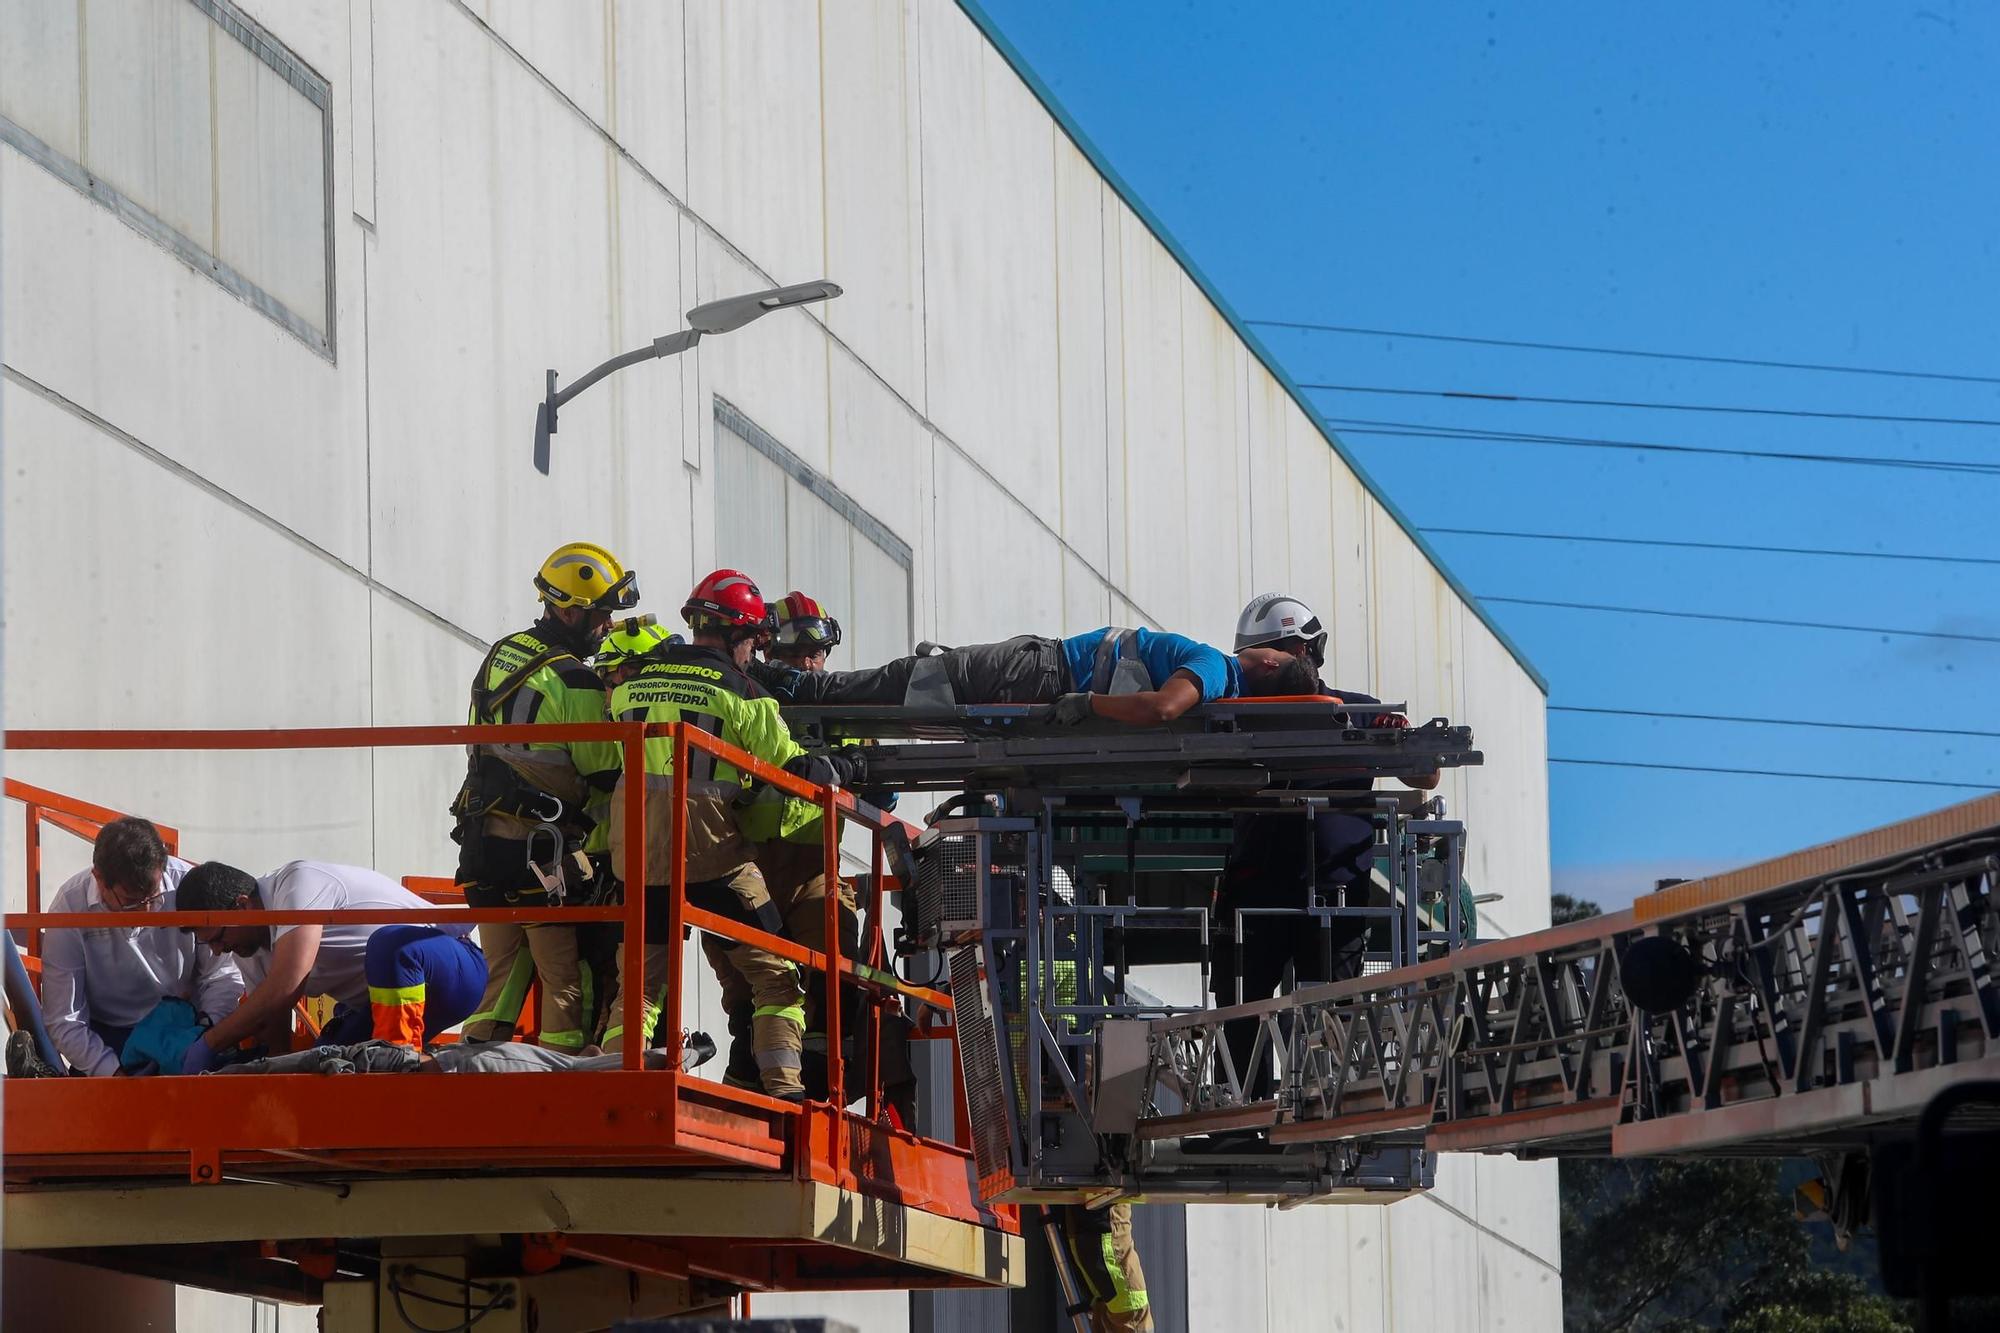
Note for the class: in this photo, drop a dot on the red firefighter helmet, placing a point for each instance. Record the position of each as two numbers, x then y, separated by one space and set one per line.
803 626
726 600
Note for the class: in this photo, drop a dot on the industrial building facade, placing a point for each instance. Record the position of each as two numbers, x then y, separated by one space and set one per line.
283 279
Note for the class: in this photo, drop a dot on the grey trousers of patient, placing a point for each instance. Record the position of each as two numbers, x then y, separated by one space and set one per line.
1025 669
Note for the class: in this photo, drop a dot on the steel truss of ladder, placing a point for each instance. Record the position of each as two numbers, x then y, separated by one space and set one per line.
1810 1004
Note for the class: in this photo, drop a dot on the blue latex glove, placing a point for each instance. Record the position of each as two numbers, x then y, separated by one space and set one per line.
200 1058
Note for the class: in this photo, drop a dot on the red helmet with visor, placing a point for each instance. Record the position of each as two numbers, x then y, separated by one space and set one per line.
803 626
727 600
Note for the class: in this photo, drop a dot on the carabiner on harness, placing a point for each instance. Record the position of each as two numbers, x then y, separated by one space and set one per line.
549 876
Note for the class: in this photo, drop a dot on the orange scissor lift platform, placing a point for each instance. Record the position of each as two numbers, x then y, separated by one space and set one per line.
544 1200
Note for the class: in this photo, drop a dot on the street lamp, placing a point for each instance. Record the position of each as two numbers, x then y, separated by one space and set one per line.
723 316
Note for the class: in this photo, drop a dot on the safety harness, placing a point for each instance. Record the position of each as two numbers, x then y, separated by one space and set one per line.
1117 668
492 786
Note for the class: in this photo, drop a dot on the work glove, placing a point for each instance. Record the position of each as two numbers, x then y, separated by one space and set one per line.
827 770
780 679
1072 710
200 1058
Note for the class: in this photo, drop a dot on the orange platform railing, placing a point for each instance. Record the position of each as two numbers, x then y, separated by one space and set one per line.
80 818
822 1128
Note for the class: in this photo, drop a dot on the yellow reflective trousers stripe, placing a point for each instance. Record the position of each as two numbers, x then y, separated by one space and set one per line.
791 1013
507 1005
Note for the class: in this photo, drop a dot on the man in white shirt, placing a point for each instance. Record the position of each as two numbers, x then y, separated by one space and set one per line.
99 982
399 982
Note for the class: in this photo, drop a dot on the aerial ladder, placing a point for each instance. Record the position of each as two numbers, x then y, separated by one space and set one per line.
1837 1003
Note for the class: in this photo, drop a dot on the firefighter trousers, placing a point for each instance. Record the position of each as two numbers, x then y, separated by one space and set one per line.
1100 1246
768 984
795 874
517 955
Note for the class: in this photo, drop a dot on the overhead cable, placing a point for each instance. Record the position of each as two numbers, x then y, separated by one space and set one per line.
1464 395
1714 546
1760 362
1780 773
1424 431
1773 721
1747 620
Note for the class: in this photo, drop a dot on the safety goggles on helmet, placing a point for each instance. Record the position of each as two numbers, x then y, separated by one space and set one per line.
803 626
814 634
581 574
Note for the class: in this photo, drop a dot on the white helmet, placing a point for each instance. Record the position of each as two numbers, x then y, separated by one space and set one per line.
1272 617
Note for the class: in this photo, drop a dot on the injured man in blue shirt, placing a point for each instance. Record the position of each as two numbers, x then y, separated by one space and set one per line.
1140 677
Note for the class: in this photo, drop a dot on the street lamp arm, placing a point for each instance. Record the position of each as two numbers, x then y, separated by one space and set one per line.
670 344
723 316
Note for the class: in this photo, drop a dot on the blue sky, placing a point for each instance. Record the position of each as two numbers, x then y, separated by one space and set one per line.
1813 183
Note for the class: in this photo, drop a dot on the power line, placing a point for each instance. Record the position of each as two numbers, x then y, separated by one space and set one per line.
1772 721
1424 431
1747 620
1466 395
1715 546
1631 351
1777 773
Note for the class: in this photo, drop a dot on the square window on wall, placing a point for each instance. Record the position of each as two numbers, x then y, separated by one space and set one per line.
195 126
789 528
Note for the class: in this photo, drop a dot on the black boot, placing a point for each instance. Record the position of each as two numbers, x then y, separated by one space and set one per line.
741 1071
25 1061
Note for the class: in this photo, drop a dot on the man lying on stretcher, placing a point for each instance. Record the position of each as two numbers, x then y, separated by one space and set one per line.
1140 677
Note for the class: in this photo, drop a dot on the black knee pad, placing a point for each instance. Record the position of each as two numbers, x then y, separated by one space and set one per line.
715 895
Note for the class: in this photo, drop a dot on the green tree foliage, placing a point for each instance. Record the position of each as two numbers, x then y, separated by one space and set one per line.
1671 1245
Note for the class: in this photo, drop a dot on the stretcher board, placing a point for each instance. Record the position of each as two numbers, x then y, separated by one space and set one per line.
981 749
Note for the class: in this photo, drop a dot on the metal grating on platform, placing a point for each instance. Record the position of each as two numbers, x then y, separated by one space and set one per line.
980 1053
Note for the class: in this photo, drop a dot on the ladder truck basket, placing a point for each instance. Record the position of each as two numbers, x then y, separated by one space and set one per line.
956 867
949 873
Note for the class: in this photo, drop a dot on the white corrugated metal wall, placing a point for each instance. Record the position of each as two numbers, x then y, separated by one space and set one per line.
210 521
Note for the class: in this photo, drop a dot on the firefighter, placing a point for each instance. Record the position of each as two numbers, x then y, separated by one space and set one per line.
629 640
529 813
1100 1245
790 846
1098 1240
703 682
